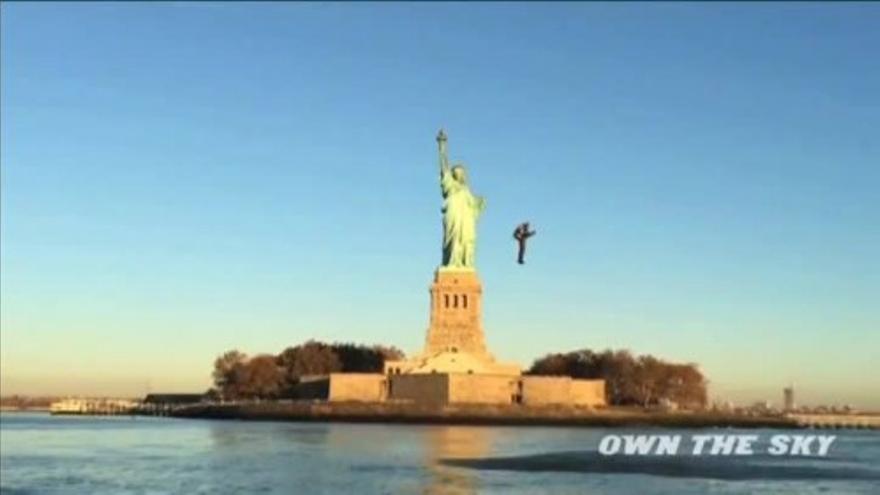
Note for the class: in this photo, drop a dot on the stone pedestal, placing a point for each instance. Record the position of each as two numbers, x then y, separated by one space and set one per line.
455 342
456 304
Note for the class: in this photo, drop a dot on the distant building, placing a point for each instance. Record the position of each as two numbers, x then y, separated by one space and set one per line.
762 407
102 406
788 398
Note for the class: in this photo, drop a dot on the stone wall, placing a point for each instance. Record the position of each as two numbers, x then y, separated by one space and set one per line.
482 389
312 387
431 388
588 393
454 388
360 387
541 390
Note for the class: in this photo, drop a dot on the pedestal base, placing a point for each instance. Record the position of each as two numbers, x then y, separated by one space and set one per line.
452 362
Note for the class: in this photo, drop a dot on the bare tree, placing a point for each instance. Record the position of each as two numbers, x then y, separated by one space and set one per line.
643 380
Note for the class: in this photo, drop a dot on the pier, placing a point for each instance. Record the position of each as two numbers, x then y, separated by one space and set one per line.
858 421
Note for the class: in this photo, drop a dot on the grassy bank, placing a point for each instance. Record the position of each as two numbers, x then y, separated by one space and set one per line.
473 415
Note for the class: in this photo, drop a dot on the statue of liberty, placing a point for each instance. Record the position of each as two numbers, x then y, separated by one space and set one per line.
461 209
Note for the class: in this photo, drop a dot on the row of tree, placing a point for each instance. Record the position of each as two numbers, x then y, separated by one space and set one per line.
631 380
267 376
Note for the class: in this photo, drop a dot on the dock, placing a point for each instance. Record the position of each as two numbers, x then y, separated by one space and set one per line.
854 421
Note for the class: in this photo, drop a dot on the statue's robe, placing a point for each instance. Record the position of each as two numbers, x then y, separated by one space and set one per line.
460 212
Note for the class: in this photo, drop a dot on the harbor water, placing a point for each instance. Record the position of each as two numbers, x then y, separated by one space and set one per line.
43 454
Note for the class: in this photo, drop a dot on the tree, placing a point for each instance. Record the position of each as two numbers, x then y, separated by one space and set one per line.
649 375
267 376
686 386
311 358
227 373
362 359
618 368
551 364
643 380
261 378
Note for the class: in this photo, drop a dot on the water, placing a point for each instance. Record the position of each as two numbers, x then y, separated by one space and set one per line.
118 455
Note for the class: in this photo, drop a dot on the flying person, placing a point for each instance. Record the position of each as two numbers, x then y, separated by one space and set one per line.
521 234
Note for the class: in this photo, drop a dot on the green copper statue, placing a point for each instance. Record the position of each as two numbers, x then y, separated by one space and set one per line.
461 209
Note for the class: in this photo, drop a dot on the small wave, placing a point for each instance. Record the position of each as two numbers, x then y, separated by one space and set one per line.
721 468
15 491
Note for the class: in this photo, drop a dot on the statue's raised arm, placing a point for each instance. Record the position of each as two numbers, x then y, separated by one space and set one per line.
441 144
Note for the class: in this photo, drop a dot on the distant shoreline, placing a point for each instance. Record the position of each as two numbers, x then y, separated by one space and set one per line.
485 415
513 415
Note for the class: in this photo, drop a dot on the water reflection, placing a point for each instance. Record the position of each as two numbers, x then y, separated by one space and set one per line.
454 442
229 436
383 452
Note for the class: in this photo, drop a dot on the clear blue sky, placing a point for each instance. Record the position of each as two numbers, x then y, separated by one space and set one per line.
182 179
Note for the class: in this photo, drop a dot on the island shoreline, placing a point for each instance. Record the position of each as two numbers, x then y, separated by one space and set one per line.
477 415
